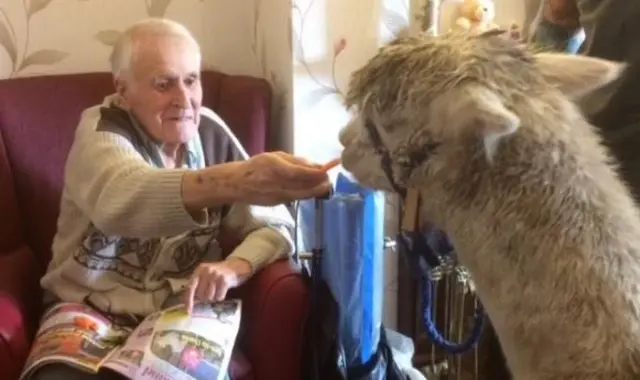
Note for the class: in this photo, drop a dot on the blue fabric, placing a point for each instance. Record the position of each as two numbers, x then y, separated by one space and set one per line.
352 265
553 37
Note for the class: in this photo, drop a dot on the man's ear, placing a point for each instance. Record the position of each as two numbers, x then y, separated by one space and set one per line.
480 111
575 75
121 87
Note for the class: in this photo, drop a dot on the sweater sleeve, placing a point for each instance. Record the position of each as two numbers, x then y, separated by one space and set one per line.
265 232
121 193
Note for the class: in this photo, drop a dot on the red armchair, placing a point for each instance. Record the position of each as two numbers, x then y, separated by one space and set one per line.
38 116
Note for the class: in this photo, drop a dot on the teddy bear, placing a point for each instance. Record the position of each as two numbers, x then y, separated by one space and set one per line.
476 16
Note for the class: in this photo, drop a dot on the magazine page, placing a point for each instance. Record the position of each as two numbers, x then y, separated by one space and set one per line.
127 359
75 334
174 345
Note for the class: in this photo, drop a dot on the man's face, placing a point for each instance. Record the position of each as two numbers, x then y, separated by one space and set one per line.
564 13
164 90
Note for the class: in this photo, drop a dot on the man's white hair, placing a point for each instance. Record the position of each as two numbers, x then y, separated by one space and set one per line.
123 51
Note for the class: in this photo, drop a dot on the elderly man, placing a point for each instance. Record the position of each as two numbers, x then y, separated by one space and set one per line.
151 178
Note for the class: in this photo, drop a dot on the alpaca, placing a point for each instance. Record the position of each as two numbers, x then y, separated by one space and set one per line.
491 135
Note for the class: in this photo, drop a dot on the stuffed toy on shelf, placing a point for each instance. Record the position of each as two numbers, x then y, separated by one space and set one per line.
476 16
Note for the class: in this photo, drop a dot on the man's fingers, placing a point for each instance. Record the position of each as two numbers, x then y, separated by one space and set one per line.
331 164
204 288
190 294
298 169
221 289
211 288
295 160
302 174
309 187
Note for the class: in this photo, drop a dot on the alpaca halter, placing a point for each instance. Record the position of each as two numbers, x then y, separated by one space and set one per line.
427 263
385 156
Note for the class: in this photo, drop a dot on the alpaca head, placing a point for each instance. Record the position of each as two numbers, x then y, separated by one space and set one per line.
431 99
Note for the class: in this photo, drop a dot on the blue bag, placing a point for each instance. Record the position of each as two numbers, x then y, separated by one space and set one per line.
352 265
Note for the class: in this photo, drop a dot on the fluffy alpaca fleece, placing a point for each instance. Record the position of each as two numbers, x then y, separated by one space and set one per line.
490 134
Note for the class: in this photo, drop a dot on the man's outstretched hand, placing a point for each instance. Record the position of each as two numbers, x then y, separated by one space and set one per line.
278 177
210 282
266 179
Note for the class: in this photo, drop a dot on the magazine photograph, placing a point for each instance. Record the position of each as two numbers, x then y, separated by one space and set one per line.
168 344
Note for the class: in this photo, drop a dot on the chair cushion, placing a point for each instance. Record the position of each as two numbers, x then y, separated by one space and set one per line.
14 339
239 367
10 231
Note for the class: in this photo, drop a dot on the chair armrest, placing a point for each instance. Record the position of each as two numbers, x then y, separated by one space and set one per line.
14 339
19 308
275 307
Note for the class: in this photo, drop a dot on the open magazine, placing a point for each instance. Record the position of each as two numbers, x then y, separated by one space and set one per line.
167 344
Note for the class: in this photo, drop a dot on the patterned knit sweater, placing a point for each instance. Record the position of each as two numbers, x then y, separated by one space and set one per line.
125 242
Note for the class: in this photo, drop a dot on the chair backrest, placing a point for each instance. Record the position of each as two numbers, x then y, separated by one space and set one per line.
38 117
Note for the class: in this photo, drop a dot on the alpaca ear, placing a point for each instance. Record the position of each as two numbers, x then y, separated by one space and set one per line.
481 111
575 75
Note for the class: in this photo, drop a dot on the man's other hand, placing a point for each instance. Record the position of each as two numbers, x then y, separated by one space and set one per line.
278 177
212 281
